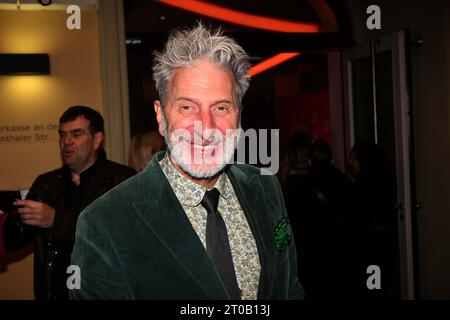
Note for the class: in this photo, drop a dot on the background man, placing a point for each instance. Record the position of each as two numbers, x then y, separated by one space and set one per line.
190 226
49 214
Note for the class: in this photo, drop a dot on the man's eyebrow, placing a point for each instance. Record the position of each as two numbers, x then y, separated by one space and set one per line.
77 130
196 102
223 101
186 99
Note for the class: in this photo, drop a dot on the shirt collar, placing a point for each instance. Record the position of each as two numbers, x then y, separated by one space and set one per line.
187 191
224 186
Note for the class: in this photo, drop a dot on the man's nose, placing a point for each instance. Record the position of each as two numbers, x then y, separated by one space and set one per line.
67 140
207 123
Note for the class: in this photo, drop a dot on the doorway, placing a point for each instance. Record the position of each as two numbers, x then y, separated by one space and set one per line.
377 110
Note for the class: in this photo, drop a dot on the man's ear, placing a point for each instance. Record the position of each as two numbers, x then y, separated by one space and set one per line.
98 140
159 111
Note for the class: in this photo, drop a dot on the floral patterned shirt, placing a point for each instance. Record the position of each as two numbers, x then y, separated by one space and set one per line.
242 243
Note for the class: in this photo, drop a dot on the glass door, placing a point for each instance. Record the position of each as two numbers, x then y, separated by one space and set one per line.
377 112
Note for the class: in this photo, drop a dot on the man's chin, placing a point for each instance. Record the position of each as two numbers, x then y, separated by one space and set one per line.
202 171
68 162
198 165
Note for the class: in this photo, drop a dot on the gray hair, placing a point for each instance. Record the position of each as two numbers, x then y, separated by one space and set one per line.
185 47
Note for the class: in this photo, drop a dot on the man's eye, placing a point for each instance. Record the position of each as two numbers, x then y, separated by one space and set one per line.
76 134
186 108
222 108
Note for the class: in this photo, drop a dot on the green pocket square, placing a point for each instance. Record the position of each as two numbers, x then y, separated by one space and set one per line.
281 235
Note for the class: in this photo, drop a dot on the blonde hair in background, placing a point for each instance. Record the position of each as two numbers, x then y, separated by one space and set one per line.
142 148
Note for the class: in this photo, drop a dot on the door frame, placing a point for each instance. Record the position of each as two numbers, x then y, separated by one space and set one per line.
114 79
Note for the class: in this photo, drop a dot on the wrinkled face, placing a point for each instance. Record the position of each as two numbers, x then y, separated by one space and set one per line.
200 119
77 145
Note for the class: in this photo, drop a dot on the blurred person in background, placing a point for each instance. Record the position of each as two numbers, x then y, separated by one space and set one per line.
142 148
318 202
49 215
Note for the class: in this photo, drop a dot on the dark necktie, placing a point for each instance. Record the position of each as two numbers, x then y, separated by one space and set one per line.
217 244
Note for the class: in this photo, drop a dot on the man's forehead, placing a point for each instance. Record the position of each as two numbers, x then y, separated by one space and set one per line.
78 123
187 82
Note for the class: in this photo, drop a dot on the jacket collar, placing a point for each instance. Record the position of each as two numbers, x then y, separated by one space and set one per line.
163 214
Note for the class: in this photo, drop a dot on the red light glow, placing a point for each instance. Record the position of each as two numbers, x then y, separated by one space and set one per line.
240 18
271 62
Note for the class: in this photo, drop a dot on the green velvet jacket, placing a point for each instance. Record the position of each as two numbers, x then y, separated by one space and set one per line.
136 242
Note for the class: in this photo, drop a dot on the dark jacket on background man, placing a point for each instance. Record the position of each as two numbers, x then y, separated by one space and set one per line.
53 246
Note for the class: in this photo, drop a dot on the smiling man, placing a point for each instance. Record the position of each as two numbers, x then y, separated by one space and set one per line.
49 214
192 225
201 121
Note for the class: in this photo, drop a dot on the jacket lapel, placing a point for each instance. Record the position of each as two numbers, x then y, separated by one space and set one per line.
161 211
249 193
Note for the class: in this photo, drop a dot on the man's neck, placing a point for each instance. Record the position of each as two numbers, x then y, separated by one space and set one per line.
75 177
75 173
208 183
